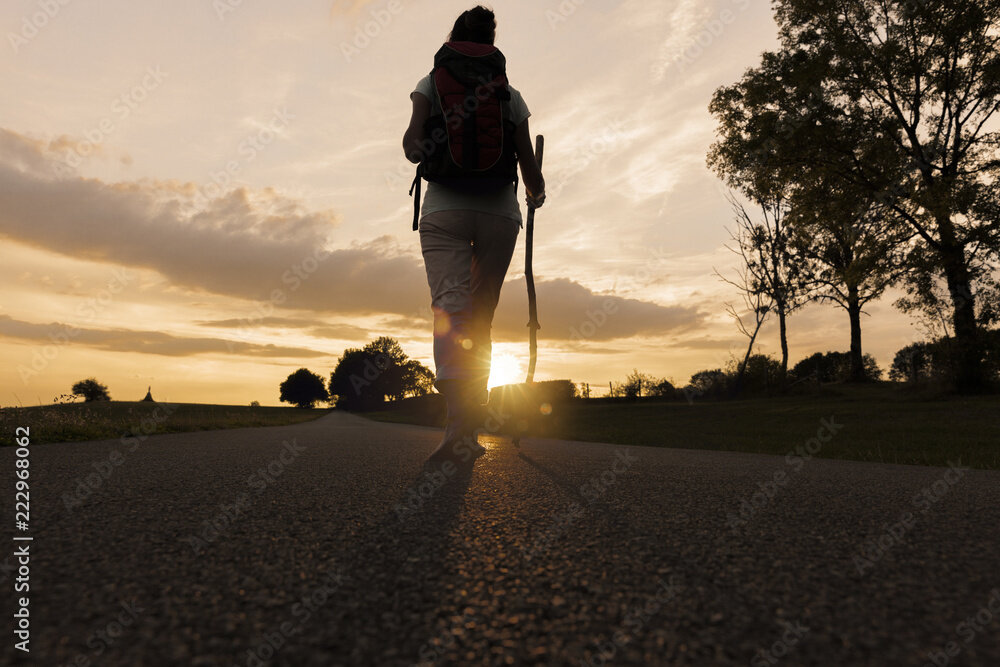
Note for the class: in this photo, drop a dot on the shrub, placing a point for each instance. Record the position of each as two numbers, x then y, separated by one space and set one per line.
935 362
833 367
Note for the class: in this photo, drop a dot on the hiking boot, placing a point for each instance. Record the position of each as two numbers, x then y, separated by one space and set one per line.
460 452
465 418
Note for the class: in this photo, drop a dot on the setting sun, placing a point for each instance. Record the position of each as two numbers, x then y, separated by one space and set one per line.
506 369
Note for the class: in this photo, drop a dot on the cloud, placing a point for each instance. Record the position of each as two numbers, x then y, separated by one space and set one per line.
147 342
570 311
704 344
255 245
38 156
311 327
263 247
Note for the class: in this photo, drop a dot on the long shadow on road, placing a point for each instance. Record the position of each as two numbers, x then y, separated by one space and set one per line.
393 579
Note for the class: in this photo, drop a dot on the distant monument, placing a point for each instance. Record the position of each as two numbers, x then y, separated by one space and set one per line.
149 395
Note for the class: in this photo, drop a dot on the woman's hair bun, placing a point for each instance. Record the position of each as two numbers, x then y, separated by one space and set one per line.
478 24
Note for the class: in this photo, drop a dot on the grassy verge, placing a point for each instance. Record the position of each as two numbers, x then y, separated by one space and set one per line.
115 419
879 423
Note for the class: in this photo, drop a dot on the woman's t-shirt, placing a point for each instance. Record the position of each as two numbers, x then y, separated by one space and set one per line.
503 202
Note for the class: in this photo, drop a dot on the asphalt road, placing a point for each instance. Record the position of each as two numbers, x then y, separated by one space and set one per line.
325 543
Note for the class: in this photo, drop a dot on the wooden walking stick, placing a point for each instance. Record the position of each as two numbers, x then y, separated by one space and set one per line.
529 278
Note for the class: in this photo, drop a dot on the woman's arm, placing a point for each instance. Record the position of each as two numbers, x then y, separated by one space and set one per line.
415 132
531 174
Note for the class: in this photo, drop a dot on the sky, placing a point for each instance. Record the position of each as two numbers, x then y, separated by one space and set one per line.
202 196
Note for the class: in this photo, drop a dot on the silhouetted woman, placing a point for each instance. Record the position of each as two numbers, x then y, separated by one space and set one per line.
469 133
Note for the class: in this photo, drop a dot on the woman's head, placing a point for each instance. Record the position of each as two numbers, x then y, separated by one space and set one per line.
475 25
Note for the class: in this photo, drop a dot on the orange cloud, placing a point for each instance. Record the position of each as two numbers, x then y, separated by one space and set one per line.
268 249
147 342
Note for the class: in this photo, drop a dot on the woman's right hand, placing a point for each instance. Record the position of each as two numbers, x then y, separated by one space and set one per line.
533 200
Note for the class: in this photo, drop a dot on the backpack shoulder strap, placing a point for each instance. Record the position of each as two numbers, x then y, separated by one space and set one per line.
416 200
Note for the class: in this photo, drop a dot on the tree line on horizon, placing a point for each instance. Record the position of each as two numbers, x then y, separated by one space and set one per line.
860 157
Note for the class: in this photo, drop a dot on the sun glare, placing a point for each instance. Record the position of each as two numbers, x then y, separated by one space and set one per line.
506 369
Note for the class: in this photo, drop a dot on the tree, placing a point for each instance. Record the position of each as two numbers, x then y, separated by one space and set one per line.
387 350
835 367
918 83
761 374
765 249
828 240
912 364
935 361
303 388
713 383
852 250
927 300
91 390
409 378
364 378
745 162
757 303
636 384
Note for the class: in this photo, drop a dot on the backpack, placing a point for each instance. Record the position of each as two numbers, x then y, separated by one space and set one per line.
469 135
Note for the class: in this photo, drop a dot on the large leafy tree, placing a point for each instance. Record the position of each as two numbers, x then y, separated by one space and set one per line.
838 243
303 388
919 83
409 378
364 378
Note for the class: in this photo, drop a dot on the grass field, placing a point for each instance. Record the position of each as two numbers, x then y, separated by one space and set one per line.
879 423
114 419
